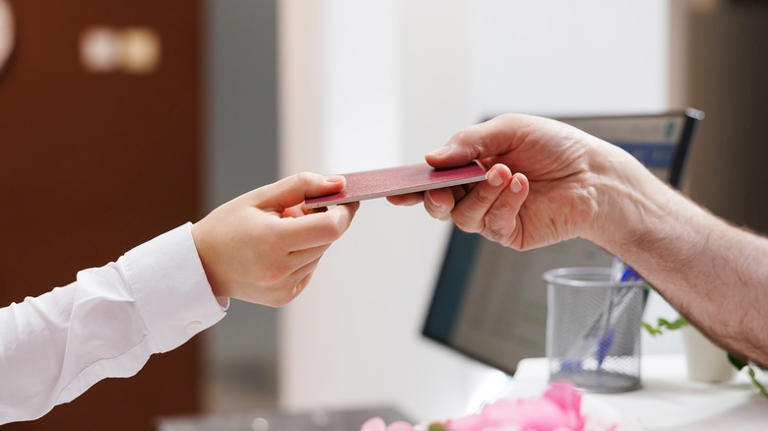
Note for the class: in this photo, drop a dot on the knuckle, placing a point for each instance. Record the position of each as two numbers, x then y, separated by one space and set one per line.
304 179
458 137
514 236
464 222
461 138
502 232
333 230
515 242
506 117
484 197
495 232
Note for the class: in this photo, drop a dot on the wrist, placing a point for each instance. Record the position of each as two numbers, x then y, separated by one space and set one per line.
629 199
202 247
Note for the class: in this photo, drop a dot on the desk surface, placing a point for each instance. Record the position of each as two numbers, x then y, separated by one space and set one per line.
667 399
321 420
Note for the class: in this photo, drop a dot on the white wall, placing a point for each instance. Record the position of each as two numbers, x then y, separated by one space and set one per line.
555 57
353 337
366 84
559 56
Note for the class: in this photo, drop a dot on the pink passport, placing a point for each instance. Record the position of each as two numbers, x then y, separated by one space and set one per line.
397 181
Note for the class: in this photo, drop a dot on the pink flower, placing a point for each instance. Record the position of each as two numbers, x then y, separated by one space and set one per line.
378 424
559 409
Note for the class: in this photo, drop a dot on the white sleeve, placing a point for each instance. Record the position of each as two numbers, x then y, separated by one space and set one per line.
105 324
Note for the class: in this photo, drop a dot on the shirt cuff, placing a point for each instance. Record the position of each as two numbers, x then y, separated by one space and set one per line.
170 288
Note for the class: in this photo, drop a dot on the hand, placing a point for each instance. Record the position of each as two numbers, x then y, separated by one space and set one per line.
263 246
550 197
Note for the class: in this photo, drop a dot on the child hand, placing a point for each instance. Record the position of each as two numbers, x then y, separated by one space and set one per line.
263 246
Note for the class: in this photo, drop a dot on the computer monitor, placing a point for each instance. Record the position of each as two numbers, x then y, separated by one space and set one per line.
490 302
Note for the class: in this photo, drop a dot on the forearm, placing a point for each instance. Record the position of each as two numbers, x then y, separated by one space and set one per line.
715 274
106 324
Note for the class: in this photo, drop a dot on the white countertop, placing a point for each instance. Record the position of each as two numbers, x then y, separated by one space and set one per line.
667 399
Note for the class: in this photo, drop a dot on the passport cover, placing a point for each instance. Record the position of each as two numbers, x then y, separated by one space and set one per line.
397 181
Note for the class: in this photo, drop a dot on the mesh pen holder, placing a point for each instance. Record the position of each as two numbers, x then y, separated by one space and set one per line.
593 329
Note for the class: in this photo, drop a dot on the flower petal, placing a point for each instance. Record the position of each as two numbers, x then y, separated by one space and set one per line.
400 426
565 395
374 424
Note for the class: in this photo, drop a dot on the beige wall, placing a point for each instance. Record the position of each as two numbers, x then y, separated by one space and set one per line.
728 78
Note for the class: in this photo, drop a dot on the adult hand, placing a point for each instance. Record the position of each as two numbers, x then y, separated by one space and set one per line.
264 246
550 197
568 183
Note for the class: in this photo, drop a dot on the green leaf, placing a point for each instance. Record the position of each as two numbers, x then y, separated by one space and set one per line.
677 324
651 330
437 427
665 324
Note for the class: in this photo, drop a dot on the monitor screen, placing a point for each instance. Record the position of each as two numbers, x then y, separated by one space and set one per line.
490 302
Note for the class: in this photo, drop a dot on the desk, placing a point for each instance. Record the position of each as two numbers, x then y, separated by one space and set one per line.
667 399
321 420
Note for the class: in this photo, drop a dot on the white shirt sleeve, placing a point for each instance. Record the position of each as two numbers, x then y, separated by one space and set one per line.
105 324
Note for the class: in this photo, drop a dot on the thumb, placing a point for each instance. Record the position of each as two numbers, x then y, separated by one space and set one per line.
491 138
451 155
463 147
293 190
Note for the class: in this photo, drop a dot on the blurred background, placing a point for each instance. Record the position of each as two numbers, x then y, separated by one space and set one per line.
119 121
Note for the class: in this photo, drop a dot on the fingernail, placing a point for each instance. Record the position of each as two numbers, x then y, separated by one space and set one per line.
334 179
445 149
432 201
515 185
494 178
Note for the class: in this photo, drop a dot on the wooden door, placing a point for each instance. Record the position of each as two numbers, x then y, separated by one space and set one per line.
94 164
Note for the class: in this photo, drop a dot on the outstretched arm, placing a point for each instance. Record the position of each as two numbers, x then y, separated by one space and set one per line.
714 273
261 247
549 182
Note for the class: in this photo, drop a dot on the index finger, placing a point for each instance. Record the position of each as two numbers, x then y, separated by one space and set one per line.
313 230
